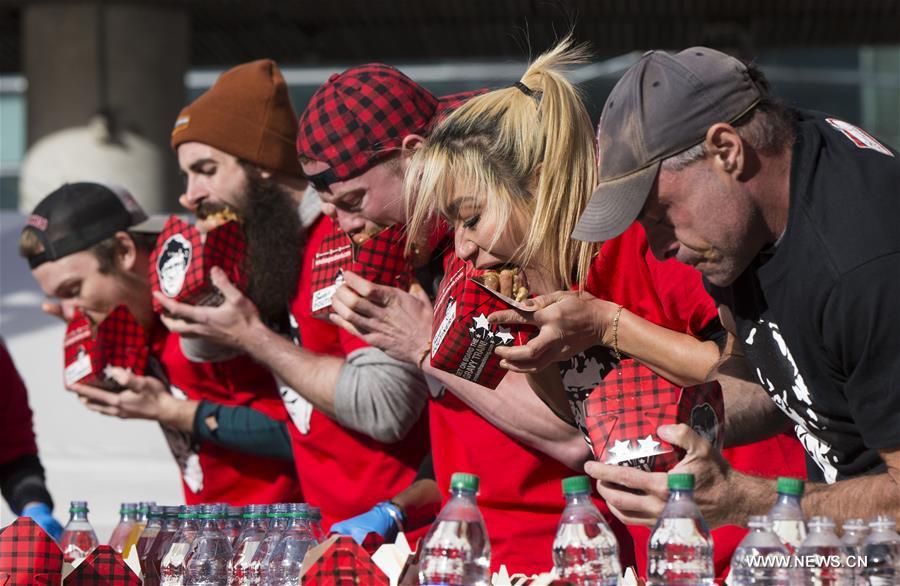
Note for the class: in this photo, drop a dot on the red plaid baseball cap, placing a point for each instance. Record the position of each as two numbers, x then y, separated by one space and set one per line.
359 117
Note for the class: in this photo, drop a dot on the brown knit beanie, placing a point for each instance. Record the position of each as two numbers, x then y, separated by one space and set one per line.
247 113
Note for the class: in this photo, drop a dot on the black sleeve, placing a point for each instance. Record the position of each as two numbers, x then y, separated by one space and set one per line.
713 331
22 482
426 468
243 429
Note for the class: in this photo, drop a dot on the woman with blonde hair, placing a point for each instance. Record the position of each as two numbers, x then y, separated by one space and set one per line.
511 171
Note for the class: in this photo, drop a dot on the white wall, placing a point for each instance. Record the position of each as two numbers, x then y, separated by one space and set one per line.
87 456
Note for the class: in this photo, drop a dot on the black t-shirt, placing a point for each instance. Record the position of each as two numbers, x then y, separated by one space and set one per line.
819 314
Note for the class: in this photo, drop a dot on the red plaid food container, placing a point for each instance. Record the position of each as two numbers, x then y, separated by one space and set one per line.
345 563
28 556
102 567
119 341
381 259
463 341
183 258
372 542
624 411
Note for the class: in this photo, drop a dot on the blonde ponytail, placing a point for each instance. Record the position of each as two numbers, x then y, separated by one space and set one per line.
528 150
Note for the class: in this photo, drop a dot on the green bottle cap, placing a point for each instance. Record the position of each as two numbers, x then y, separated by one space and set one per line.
576 484
791 486
681 481
463 481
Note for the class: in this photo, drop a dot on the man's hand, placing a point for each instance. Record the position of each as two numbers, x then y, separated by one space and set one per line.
144 397
637 497
230 323
569 322
397 322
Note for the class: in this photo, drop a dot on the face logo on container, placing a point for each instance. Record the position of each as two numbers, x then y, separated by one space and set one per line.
172 264
705 422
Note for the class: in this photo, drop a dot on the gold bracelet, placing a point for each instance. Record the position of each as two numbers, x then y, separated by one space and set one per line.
425 354
615 340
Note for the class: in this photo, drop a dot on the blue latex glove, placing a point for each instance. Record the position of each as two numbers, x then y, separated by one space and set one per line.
375 520
43 516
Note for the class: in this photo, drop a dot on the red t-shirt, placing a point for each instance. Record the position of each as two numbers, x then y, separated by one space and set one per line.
343 472
671 294
213 473
15 414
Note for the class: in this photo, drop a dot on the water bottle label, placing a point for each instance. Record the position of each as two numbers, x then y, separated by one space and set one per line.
176 554
247 553
789 532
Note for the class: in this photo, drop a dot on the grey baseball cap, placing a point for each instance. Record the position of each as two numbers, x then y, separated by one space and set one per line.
663 105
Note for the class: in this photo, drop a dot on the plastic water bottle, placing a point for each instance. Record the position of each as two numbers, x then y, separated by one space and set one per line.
207 562
315 518
140 523
246 544
854 533
830 565
287 557
231 524
761 559
457 551
171 568
159 545
78 539
882 551
145 541
278 521
680 548
127 521
787 514
153 544
585 551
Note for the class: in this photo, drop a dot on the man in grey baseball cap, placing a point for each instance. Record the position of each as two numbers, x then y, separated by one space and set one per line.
790 215
662 106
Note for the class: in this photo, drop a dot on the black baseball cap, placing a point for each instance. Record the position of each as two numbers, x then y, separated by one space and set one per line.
662 106
79 215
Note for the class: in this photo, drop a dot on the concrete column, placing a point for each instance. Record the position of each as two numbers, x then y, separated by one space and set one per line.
130 57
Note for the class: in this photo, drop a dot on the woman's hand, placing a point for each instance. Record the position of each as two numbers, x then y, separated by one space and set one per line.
569 323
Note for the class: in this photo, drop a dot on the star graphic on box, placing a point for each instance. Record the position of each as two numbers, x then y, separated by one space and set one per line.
621 450
482 329
504 337
648 444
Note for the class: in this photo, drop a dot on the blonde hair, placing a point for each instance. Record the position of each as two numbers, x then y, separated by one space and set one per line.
524 155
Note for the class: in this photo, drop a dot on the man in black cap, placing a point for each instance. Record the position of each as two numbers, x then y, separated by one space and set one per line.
89 247
791 217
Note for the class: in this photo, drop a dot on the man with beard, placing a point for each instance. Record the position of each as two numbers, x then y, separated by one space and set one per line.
88 246
357 435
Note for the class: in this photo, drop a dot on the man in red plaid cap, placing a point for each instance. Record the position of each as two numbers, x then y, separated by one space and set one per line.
354 140
357 436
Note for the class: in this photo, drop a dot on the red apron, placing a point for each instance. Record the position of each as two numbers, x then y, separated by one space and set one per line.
212 473
343 472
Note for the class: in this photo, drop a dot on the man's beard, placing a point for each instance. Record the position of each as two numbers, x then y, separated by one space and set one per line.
274 254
